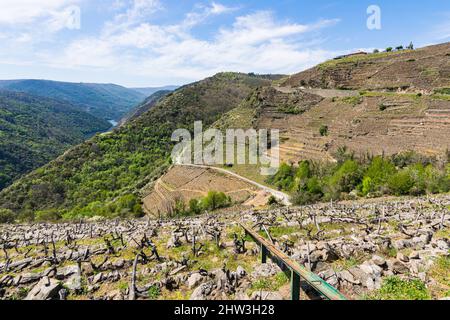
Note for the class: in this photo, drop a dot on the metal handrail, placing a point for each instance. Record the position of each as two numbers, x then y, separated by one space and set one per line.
298 272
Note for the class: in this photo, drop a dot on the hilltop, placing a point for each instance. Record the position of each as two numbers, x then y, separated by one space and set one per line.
421 70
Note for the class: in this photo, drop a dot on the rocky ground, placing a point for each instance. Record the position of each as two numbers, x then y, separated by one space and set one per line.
352 246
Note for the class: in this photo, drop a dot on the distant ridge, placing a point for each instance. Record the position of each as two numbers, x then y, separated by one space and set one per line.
105 101
151 90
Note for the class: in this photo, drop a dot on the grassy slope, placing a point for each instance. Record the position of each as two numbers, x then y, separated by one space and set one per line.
34 130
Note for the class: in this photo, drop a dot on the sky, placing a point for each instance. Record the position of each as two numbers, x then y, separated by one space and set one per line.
142 43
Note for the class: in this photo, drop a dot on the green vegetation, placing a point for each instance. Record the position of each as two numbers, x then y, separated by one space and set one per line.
442 91
35 130
105 101
6 216
94 177
402 174
323 130
154 292
354 100
273 283
440 272
394 288
213 201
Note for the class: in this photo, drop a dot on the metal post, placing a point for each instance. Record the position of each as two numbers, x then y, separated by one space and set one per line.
263 254
295 286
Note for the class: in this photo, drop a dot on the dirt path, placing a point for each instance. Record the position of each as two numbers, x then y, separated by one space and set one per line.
280 196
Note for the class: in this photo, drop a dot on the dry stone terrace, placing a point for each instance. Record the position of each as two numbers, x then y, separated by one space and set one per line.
353 246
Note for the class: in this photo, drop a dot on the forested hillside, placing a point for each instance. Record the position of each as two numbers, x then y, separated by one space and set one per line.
145 106
35 130
100 176
105 101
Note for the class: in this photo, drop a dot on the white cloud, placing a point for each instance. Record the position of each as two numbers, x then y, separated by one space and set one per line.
131 45
19 12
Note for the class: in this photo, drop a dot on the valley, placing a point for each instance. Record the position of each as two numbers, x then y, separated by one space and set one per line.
361 197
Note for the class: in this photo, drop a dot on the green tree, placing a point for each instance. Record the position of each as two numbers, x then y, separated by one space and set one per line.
347 177
401 183
195 206
6 216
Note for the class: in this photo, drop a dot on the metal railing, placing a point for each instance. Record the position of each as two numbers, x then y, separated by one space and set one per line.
298 272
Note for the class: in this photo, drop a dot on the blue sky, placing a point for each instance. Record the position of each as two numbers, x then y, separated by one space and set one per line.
162 42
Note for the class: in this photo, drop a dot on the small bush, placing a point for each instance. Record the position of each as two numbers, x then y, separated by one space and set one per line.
272 201
154 292
323 130
195 206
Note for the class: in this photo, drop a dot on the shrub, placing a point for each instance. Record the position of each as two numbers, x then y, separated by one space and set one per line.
48 215
388 49
323 130
379 170
195 206
6 216
347 177
272 201
401 183
215 200
284 178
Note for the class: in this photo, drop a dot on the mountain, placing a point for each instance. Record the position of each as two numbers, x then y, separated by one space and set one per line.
102 175
151 90
357 107
105 101
35 130
391 104
383 103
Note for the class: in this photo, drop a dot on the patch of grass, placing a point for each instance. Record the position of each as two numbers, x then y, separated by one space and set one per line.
430 72
154 292
354 101
273 283
122 286
277 232
394 288
445 97
440 272
345 264
442 91
389 252
442 234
